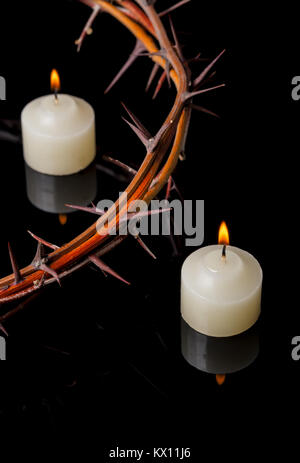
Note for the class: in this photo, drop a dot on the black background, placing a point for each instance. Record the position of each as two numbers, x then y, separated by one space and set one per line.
105 358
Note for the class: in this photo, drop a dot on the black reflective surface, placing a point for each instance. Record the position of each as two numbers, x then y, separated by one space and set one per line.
219 355
51 193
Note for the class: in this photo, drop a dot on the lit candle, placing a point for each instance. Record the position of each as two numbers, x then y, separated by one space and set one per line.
221 289
58 132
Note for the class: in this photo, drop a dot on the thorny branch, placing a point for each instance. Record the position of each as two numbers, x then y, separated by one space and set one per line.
162 152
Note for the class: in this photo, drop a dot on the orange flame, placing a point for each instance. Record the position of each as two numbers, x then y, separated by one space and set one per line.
220 379
54 80
62 219
223 234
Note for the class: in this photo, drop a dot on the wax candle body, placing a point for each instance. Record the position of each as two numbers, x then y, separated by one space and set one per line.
58 135
221 297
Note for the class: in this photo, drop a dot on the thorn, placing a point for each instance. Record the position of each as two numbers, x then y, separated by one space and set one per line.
195 58
41 240
38 255
175 187
14 265
137 122
92 210
138 132
20 306
177 46
169 187
87 28
173 244
204 110
162 53
159 85
189 95
50 271
147 213
144 246
105 268
112 173
174 7
3 329
208 79
152 75
120 164
204 73
149 2
132 57
55 349
167 71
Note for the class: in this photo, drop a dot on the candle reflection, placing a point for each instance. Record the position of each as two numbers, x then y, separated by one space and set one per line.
50 193
219 356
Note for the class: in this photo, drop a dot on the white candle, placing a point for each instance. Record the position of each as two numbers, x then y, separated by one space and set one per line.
221 296
58 134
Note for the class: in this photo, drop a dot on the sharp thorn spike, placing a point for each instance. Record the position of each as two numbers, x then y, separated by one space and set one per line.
120 164
144 246
92 210
175 187
50 271
207 80
204 73
87 28
194 59
147 213
138 132
137 122
174 7
167 69
182 156
189 95
132 57
3 329
169 187
111 173
105 268
177 45
159 84
38 255
152 76
204 110
14 265
162 53
41 240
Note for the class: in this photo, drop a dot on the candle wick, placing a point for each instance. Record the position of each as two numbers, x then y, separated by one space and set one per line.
55 96
224 252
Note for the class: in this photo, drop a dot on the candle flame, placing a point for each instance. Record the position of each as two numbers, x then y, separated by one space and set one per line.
54 81
220 379
62 219
223 234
